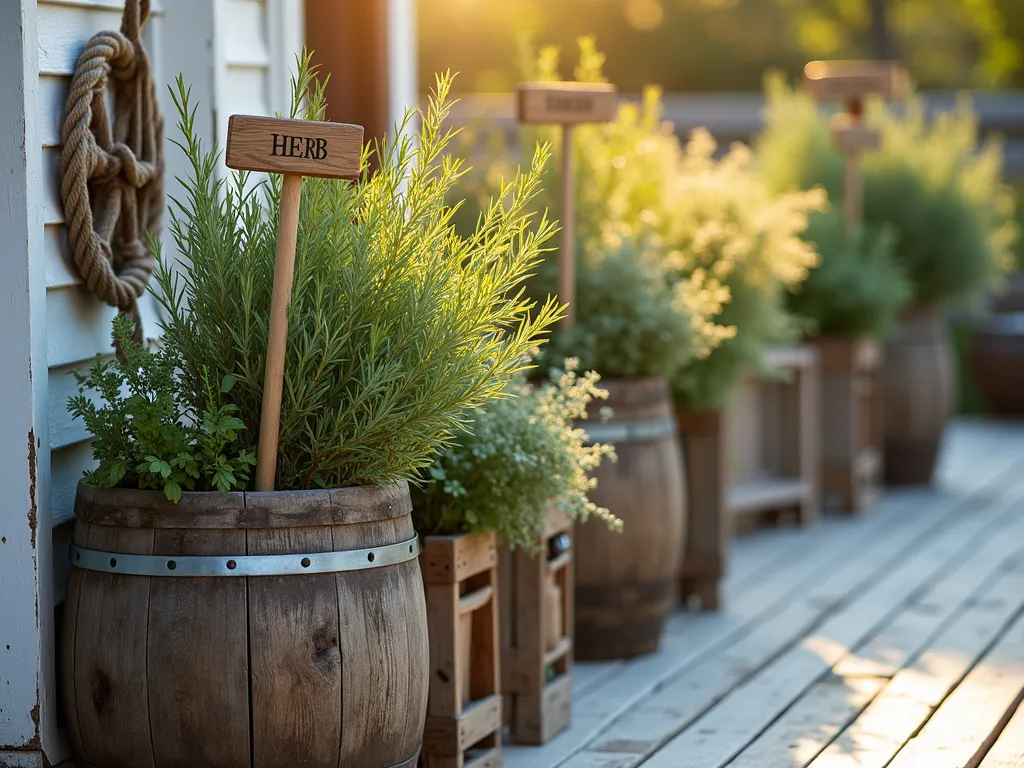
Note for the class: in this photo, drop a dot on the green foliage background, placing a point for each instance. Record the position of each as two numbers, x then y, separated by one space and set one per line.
717 45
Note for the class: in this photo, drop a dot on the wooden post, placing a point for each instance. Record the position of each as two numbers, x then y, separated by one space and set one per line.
464 704
537 621
295 148
567 104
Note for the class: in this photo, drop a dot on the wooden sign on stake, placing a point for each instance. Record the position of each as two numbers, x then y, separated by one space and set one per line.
851 82
567 104
294 148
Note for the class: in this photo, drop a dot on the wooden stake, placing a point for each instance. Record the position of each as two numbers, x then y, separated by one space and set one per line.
295 148
567 253
851 82
567 104
280 300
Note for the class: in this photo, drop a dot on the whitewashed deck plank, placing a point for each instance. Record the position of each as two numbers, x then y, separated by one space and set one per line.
690 638
810 724
893 717
1008 751
959 732
781 567
715 738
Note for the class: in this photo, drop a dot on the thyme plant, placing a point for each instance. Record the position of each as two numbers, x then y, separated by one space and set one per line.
398 325
517 456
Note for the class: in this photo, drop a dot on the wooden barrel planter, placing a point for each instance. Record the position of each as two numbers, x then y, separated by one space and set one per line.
246 630
997 363
918 396
625 581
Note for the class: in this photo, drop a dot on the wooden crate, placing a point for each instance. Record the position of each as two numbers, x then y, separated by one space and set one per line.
464 704
708 527
773 434
851 421
536 631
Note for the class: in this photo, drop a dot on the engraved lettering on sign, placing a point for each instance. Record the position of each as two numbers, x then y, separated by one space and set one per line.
298 146
569 103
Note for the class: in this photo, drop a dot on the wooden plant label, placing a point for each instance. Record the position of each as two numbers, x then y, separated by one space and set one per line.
849 135
567 103
846 80
302 147
295 148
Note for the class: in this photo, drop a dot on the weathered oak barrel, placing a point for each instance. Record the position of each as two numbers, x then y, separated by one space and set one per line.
248 630
917 395
996 352
625 581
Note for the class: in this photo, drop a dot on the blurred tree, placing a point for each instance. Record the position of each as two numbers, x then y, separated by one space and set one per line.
692 45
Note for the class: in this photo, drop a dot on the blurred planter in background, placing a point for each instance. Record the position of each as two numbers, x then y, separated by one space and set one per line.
952 219
996 355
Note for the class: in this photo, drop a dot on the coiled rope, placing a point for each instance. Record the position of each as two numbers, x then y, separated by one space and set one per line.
112 176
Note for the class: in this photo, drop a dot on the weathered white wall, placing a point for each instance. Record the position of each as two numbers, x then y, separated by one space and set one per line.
236 54
26 626
255 49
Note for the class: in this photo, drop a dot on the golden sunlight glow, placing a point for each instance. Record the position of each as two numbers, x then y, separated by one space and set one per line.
645 15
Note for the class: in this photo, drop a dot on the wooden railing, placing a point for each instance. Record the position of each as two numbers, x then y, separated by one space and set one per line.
737 116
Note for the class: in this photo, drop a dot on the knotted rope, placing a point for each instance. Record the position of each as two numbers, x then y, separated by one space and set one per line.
112 176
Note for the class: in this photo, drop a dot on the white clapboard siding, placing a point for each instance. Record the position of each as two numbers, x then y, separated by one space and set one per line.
77 323
66 468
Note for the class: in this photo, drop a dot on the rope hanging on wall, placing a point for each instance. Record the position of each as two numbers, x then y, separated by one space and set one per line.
112 175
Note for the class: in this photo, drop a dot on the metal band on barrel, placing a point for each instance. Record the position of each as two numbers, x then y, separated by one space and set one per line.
630 431
245 565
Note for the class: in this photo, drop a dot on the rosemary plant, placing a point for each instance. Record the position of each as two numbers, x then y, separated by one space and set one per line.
398 326
518 455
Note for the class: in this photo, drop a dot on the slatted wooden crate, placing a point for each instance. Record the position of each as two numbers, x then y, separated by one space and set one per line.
464 705
773 434
536 631
851 421
708 527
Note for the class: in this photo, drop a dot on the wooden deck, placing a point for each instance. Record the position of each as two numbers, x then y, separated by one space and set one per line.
892 639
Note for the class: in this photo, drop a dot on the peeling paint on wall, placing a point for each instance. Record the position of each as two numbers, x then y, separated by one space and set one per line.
33 512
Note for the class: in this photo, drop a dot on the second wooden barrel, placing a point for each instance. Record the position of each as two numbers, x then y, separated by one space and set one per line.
996 355
247 630
917 395
625 581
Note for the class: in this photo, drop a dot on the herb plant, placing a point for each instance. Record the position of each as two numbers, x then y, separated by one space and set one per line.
398 325
729 247
945 202
858 288
147 436
518 455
